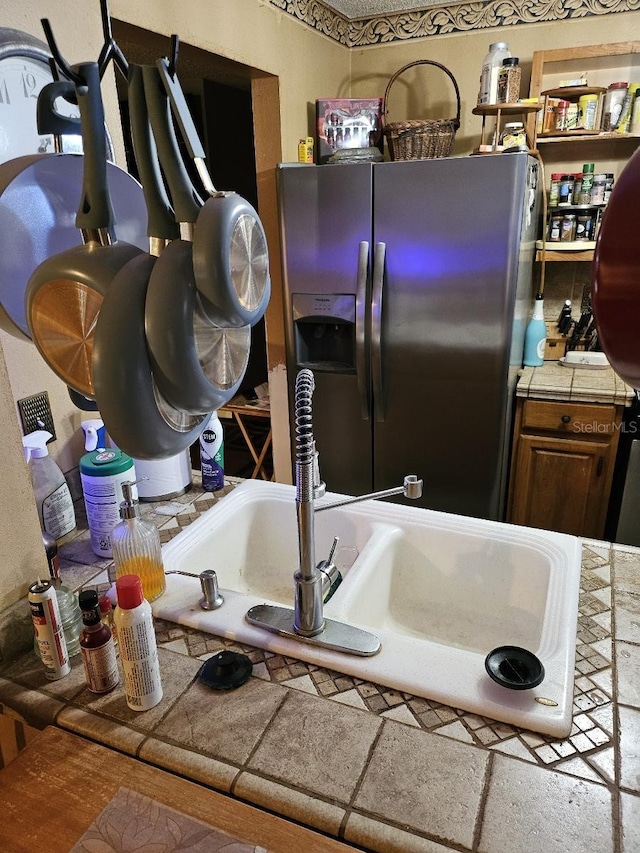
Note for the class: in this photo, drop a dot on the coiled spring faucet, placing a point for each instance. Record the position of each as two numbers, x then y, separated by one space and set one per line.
306 622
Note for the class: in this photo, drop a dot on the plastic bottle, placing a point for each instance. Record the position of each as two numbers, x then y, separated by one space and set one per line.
509 77
135 544
137 642
491 65
53 498
212 455
102 473
96 643
536 336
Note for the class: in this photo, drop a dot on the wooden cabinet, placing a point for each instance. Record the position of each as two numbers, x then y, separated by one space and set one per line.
562 465
566 152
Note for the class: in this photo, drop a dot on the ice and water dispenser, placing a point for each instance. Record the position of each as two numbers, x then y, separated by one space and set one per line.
324 331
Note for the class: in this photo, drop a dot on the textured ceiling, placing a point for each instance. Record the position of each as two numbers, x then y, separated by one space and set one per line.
370 8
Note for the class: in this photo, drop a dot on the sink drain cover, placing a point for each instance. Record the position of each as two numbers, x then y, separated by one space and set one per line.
225 670
514 667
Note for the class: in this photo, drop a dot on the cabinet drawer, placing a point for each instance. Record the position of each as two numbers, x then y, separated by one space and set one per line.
576 419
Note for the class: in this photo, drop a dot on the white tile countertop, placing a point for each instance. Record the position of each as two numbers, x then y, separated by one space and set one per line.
384 771
555 381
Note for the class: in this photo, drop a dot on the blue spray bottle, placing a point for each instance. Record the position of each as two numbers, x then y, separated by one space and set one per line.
535 338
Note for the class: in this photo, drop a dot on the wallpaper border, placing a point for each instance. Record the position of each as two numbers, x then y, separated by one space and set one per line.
443 19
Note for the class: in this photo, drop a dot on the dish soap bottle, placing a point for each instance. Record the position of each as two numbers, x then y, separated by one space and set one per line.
135 545
535 338
53 498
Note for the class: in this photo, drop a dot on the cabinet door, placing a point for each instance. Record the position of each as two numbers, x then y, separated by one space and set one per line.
561 484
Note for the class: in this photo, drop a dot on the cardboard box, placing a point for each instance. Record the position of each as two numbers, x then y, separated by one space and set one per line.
347 123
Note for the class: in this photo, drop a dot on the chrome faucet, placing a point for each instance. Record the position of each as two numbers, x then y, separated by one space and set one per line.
306 621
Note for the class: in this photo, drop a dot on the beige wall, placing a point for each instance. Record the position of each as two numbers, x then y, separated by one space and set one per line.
462 54
308 66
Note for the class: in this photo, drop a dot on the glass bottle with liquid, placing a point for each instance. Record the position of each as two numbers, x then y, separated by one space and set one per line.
135 544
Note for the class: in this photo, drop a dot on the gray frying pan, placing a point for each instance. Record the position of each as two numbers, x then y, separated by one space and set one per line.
38 200
137 417
198 367
230 257
65 292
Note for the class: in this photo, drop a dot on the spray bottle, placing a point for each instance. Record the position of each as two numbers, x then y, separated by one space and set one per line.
53 498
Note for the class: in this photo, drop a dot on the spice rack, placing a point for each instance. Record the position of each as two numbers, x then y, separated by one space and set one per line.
565 152
503 111
573 95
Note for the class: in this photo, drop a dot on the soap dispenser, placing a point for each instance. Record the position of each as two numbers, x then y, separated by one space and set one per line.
535 338
135 545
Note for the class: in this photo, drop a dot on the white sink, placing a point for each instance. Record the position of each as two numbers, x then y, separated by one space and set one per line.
440 591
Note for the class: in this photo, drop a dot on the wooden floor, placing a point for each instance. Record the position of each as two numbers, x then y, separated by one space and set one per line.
54 789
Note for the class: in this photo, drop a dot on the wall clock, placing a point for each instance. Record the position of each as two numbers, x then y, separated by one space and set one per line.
24 70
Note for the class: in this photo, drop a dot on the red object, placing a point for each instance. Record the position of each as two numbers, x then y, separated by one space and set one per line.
129 591
616 276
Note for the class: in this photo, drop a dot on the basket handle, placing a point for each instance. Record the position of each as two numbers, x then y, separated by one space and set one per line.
411 65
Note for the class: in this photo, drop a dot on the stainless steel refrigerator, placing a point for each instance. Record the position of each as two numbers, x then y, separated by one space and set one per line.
407 292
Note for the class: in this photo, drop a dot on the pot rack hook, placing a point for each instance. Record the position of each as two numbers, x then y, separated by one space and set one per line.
62 64
110 49
173 56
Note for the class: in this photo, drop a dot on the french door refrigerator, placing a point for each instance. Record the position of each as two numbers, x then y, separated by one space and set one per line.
407 292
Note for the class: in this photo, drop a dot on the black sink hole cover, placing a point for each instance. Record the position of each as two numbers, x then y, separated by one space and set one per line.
514 667
225 670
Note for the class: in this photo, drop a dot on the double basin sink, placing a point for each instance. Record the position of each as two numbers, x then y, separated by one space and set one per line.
440 592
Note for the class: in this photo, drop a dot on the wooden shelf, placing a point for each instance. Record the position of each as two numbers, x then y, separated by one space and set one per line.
506 109
576 250
586 136
565 93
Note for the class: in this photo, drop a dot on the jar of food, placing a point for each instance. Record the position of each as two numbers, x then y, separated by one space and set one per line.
554 189
555 226
587 111
513 137
584 226
613 103
509 81
548 117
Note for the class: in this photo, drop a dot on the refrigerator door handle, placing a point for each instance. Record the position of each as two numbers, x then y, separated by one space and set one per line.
377 284
361 321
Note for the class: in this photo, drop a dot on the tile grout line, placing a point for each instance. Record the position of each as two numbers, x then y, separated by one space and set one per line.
360 780
484 795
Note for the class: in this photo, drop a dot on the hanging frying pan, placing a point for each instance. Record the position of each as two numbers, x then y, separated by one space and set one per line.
616 276
230 257
65 292
136 416
38 200
198 367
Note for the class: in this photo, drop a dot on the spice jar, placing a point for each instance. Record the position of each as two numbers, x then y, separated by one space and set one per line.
587 111
568 229
562 116
509 81
598 188
566 189
555 226
554 189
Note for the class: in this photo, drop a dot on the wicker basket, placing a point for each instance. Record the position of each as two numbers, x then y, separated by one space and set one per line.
420 139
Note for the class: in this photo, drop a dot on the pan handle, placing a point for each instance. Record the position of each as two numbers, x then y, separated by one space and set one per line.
183 116
95 212
161 221
48 119
186 201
